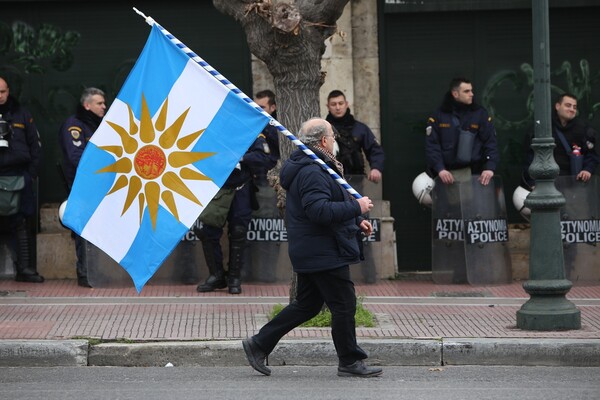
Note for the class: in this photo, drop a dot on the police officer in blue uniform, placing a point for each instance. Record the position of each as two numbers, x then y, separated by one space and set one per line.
73 136
460 142
580 139
353 138
20 155
233 204
460 134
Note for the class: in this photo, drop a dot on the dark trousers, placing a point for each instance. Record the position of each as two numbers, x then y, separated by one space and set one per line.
240 213
336 290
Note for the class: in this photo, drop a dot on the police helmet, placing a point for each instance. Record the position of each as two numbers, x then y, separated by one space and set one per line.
61 212
519 196
422 187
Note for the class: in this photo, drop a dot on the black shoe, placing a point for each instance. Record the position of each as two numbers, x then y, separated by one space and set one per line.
83 282
256 357
212 283
360 369
31 278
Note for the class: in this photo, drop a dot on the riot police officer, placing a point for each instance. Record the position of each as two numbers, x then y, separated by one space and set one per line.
73 136
353 138
460 135
233 204
20 156
575 150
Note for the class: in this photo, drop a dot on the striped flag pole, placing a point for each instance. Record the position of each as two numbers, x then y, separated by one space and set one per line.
272 121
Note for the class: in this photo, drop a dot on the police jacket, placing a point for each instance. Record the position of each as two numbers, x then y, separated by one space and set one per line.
322 219
443 131
353 138
24 151
579 135
73 136
271 149
256 158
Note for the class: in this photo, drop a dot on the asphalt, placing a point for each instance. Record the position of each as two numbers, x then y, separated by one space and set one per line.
418 322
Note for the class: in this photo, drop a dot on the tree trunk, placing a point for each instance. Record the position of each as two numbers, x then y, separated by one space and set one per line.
290 40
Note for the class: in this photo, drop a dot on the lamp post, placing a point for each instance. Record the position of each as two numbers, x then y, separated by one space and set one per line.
548 308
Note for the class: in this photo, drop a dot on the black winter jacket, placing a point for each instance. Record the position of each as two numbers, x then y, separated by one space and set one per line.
322 218
255 159
73 137
578 134
24 151
354 136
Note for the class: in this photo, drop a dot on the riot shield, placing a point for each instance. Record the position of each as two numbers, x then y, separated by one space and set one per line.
266 231
365 187
183 266
580 227
103 271
447 245
7 269
486 232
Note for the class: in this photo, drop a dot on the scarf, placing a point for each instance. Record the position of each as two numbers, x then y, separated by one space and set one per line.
331 158
346 122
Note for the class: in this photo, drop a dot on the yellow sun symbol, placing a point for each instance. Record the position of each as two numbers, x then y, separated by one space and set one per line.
141 163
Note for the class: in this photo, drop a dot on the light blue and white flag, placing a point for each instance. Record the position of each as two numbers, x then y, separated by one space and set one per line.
165 147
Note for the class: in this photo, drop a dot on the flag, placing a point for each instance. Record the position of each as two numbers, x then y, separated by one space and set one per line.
167 144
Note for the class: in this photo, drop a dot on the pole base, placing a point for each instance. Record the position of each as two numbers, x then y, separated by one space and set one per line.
544 314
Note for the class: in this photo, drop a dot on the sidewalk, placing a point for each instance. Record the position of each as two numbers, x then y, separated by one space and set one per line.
418 322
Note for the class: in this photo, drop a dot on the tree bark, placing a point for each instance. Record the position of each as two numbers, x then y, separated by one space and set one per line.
293 58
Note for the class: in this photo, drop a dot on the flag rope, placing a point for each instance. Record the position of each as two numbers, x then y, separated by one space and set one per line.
272 121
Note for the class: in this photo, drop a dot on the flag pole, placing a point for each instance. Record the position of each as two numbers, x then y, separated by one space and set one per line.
272 121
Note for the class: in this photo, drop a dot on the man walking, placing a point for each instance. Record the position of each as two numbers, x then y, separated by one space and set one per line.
324 224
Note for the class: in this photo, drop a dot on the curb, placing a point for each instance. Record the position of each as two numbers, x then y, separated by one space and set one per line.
384 352
528 352
288 352
44 353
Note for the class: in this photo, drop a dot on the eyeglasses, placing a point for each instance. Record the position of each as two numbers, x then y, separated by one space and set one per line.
329 136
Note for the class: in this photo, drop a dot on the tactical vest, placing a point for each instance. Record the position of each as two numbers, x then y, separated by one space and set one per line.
350 153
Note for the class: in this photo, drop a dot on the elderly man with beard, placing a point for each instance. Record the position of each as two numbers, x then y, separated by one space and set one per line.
324 224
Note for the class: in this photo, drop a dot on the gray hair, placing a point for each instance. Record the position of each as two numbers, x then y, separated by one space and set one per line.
311 131
88 93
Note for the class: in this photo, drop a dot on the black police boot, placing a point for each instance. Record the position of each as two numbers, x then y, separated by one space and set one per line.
25 272
82 279
237 246
216 279
81 265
